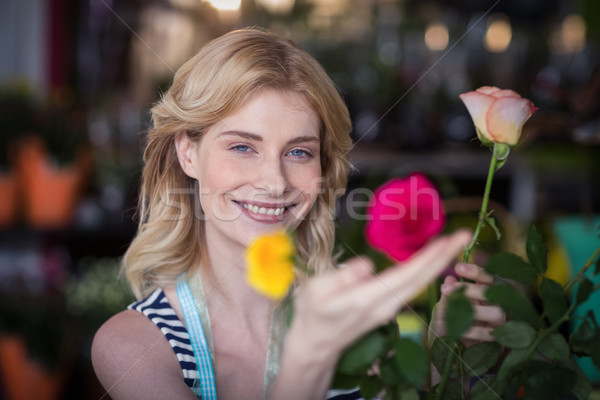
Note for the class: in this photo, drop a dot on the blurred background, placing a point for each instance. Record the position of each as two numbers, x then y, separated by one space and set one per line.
77 78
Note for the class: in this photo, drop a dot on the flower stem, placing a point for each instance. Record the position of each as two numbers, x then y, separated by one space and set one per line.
567 315
582 271
447 365
483 211
466 256
554 327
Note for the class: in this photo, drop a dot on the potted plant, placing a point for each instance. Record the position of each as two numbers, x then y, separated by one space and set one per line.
16 119
52 166
34 346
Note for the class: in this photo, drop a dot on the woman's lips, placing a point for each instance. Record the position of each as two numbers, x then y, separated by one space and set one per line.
264 212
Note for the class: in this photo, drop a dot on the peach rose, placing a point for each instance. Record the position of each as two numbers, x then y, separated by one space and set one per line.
498 115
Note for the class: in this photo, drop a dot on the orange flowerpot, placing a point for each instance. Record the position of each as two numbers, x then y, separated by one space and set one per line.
23 378
8 199
50 192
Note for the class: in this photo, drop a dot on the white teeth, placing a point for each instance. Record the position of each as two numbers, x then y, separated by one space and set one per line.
264 210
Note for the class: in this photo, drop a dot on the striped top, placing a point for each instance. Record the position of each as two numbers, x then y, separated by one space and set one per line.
157 308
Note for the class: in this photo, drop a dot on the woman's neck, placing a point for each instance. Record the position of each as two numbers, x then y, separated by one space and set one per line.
223 275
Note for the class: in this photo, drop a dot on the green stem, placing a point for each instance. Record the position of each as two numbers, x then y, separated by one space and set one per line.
445 373
483 211
582 271
462 373
566 316
467 256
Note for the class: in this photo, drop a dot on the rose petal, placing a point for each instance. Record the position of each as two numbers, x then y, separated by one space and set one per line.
488 90
506 93
403 215
506 117
478 105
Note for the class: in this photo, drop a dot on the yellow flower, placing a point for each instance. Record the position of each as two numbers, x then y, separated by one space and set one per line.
270 265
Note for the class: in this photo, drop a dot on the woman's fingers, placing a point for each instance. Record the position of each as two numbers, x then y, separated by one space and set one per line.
396 285
492 315
472 291
479 333
474 272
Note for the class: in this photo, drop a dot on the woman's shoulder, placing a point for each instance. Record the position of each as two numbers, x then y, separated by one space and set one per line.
127 336
129 353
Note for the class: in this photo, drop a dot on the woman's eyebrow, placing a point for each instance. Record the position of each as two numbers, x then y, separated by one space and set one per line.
243 135
304 139
258 138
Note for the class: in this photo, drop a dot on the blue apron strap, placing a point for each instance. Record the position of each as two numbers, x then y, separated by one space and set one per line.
208 390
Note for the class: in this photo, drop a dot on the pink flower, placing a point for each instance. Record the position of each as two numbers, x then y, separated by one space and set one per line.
403 215
498 115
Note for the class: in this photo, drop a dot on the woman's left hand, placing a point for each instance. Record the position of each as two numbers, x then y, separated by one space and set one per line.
487 317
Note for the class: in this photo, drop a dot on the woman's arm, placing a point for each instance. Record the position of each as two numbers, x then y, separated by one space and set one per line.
333 310
133 360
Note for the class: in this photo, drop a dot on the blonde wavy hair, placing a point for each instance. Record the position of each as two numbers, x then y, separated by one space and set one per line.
213 84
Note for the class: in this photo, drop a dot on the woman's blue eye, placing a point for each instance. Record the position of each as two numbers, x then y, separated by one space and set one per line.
242 148
300 153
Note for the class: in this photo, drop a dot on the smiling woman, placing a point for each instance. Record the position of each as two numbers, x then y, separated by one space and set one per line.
252 138
259 169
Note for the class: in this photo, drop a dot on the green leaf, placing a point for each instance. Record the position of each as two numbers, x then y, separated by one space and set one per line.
360 356
342 381
595 354
492 223
452 391
514 304
486 388
370 387
514 334
536 250
400 393
582 387
553 299
479 358
441 349
459 314
412 361
541 380
555 347
509 365
511 266
409 394
584 337
389 371
584 289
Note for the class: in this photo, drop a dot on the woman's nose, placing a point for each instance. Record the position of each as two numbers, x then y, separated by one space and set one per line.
271 177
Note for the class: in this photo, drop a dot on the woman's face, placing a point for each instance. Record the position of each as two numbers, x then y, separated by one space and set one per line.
258 170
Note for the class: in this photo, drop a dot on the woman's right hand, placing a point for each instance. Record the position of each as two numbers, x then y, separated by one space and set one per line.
333 310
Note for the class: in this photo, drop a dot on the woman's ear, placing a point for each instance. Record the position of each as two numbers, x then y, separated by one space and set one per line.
186 154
